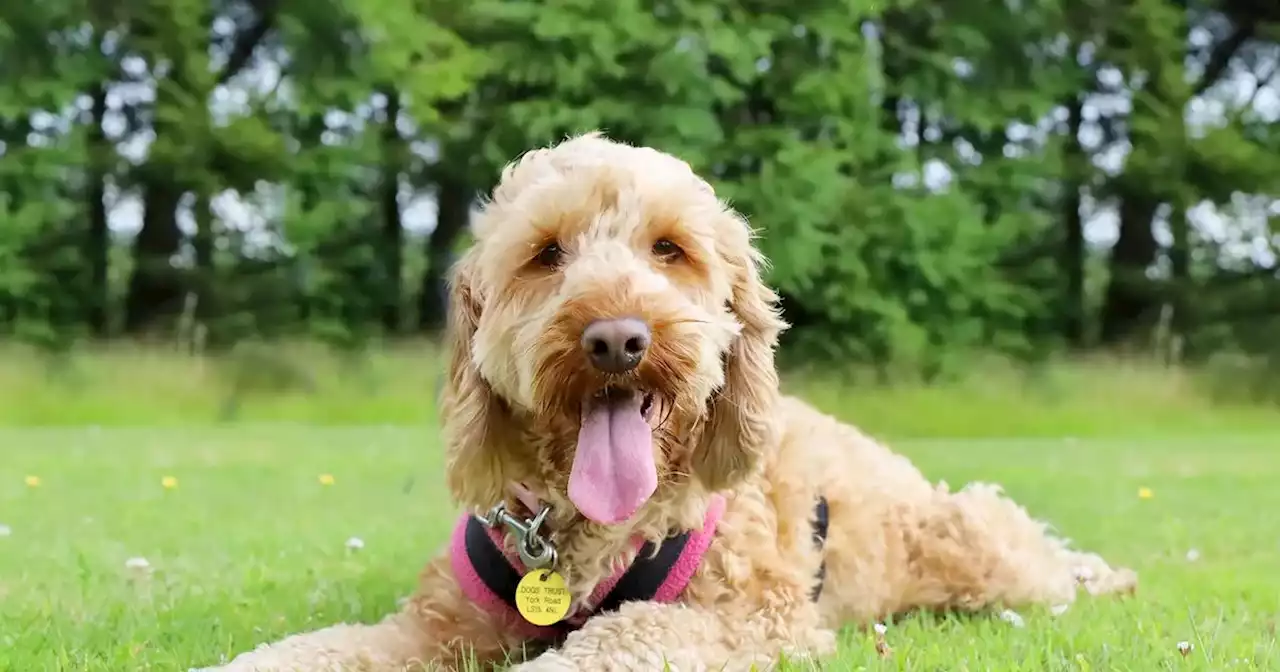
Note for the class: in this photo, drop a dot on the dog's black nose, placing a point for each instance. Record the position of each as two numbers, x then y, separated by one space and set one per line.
616 346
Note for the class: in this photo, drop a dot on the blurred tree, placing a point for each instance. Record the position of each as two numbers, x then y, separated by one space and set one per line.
923 176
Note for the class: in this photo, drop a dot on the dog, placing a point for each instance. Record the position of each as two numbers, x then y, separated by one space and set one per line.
613 425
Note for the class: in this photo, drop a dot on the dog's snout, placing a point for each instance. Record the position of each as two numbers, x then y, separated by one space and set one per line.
616 346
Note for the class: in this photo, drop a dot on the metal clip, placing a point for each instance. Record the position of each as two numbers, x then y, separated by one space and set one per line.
536 552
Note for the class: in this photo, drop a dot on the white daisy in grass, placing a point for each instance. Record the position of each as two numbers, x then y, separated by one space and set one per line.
355 544
1012 618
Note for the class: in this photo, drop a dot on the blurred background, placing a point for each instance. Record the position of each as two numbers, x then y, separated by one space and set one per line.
205 201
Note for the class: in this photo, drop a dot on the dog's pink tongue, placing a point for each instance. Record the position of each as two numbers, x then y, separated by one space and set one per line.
613 472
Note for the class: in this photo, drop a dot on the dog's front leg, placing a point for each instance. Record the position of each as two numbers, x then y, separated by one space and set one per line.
395 643
685 638
438 628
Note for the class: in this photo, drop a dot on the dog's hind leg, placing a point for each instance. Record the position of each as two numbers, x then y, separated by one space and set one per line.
976 548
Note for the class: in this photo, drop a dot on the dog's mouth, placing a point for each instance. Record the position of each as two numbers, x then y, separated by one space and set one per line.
613 472
613 394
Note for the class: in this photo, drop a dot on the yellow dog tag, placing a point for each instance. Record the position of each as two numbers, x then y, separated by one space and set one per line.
542 598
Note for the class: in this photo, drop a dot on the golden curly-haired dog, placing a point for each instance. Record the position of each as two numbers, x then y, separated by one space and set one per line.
612 358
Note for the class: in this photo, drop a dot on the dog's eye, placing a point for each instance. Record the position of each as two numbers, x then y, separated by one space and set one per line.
550 255
666 250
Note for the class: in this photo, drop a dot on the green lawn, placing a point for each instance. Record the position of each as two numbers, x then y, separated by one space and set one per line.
250 545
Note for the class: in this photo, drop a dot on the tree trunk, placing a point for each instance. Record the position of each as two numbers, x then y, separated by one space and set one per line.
392 228
1129 303
98 241
1180 288
155 287
453 200
207 332
1073 253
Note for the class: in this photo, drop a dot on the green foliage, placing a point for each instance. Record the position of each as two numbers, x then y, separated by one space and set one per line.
828 124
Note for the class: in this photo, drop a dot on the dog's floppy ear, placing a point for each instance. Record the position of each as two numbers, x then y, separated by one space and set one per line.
476 424
742 419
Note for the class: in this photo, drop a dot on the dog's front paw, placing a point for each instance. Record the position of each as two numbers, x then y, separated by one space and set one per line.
256 660
547 662
223 664
229 667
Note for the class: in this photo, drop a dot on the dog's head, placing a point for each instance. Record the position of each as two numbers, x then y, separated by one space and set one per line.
610 334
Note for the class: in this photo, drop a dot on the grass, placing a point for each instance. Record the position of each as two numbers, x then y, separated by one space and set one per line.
397 386
251 545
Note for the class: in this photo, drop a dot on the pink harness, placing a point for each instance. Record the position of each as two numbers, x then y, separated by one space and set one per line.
488 573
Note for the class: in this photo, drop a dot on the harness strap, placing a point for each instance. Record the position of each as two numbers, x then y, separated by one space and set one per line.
661 574
821 521
489 575
500 576
489 578
650 570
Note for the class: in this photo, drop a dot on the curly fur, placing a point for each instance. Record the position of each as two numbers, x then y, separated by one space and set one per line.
517 378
